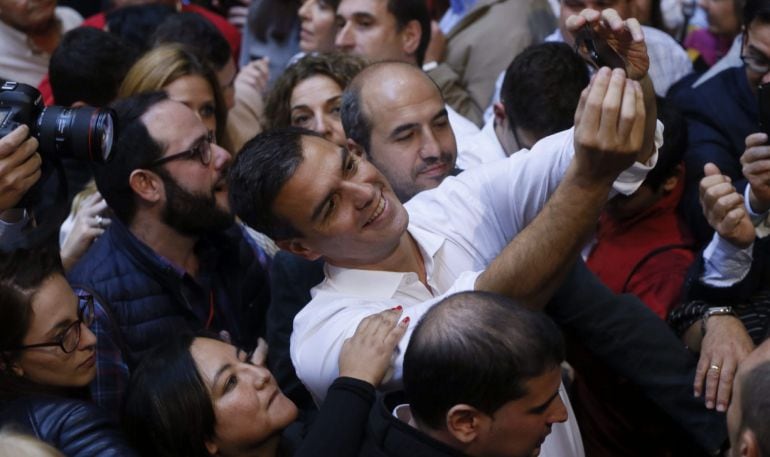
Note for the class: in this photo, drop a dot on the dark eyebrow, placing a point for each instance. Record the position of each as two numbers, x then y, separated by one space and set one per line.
360 16
61 325
223 368
440 114
401 129
344 153
542 407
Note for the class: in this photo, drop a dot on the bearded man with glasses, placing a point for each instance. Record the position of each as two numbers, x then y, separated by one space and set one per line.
173 258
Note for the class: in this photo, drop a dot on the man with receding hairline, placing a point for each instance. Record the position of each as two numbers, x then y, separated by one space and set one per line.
482 375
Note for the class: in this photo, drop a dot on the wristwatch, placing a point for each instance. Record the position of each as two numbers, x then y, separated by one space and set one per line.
714 311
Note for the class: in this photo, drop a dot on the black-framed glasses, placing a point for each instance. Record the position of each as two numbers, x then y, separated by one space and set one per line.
201 152
69 339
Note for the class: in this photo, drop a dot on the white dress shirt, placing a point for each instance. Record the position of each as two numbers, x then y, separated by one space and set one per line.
459 227
480 148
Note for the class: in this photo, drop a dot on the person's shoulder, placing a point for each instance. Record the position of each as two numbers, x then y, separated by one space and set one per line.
69 17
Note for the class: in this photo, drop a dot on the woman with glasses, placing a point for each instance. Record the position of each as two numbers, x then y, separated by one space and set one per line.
47 357
199 397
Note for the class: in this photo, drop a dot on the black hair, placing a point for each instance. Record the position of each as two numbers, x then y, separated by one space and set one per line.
542 87
406 11
671 154
355 122
22 273
755 406
88 65
133 148
755 10
273 19
198 34
476 348
135 24
168 410
257 175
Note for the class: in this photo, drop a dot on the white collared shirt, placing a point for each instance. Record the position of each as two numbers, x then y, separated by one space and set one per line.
460 227
481 148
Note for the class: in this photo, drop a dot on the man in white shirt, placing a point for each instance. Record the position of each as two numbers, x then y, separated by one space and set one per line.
381 30
539 95
320 201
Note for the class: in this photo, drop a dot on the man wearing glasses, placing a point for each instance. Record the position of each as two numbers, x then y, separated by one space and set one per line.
173 258
722 112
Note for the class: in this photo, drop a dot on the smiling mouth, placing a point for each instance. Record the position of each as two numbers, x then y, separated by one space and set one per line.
378 211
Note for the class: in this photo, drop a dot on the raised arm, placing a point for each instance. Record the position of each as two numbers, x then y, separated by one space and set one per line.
611 132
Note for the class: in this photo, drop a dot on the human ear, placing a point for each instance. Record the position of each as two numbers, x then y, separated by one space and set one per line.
211 447
295 246
410 37
747 445
355 148
463 422
146 184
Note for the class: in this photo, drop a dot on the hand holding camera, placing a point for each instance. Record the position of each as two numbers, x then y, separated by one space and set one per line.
19 166
604 37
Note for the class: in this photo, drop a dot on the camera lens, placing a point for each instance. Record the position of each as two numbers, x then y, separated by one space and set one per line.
82 133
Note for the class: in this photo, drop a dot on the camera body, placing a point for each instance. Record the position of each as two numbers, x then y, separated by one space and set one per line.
82 133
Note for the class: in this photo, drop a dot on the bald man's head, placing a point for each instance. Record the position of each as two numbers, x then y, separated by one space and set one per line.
394 113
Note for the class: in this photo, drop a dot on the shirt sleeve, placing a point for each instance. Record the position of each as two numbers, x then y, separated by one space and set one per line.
725 264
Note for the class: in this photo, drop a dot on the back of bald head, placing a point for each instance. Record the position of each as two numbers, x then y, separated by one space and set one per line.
476 348
356 120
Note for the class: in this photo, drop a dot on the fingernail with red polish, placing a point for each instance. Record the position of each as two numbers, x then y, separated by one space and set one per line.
398 308
406 320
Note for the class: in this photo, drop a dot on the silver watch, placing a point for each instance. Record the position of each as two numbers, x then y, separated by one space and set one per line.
714 311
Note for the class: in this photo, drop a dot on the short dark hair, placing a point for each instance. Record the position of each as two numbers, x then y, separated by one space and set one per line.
260 170
756 10
413 10
542 87
22 272
755 405
671 154
133 148
476 348
88 65
135 24
198 34
341 68
168 410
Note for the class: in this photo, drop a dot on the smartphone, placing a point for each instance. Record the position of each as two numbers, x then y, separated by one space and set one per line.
596 51
763 97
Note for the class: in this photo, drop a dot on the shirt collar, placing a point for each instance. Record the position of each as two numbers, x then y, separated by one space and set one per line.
382 284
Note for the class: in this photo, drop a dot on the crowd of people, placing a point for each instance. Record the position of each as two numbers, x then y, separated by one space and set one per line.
484 228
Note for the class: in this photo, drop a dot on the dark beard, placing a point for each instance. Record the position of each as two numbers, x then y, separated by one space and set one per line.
192 214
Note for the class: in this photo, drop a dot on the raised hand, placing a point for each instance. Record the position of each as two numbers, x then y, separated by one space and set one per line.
724 208
626 37
756 168
19 166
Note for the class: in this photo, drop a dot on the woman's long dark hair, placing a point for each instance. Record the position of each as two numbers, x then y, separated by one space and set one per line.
22 272
168 410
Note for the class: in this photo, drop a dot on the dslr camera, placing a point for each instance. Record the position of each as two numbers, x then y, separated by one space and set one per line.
82 133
